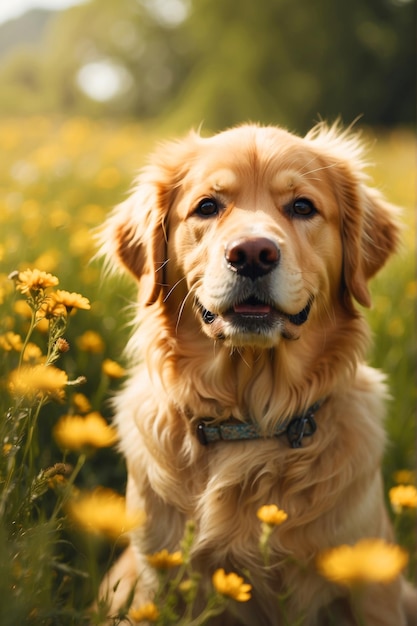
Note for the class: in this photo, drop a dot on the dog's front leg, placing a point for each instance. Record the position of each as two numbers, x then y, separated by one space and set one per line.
132 573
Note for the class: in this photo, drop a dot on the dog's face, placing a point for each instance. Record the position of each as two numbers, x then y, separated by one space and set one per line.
254 233
256 237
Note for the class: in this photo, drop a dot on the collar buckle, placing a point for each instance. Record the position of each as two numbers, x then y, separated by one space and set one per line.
201 433
300 427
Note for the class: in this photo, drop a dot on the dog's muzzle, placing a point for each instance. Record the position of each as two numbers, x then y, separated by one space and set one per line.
252 311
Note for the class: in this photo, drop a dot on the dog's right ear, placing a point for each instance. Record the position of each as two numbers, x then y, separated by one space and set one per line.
135 234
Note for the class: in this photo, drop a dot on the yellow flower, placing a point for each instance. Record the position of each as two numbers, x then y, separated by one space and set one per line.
90 341
396 327
22 308
108 178
48 260
62 345
6 448
187 585
405 477
93 214
43 325
81 402
270 514
71 300
81 242
112 369
165 559
61 302
11 341
73 432
34 280
231 585
32 353
39 380
368 561
56 476
411 289
403 497
103 511
56 481
147 612
51 308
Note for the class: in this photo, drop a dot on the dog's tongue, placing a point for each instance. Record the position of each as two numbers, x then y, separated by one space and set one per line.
252 309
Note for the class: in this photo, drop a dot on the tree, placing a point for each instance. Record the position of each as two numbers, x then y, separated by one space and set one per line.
293 61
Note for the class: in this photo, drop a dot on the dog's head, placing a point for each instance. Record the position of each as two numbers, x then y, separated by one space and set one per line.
254 232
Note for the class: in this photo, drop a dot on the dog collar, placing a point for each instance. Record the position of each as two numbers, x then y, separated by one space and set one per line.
296 429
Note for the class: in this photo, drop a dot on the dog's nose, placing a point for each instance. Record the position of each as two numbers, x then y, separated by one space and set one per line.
252 256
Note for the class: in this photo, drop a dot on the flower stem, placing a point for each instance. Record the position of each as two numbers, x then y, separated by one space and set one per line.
32 326
70 483
30 440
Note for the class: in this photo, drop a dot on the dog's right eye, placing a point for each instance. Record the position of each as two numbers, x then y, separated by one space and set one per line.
207 207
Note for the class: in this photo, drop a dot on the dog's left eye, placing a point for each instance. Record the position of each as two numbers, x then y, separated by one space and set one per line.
207 207
302 207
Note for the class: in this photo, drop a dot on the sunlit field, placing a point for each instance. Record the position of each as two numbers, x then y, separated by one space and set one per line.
58 180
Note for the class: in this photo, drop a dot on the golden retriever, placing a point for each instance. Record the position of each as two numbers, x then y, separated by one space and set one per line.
247 384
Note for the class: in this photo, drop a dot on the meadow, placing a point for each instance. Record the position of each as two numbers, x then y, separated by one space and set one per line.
58 180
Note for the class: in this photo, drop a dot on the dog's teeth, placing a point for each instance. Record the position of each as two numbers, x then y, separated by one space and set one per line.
252 309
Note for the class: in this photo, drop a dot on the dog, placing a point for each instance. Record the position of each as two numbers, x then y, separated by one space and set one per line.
252 250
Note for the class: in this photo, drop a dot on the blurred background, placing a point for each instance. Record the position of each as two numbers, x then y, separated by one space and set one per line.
183 62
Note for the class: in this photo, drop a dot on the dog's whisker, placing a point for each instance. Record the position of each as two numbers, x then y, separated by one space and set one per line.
161 265
240 352
317 169
164 230
174 287
181 309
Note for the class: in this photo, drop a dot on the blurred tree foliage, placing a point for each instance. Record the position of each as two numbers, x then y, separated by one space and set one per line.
187 61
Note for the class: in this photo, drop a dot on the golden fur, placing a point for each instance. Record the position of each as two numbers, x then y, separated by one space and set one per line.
181 234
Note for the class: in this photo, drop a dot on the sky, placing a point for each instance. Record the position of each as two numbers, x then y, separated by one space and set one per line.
13 8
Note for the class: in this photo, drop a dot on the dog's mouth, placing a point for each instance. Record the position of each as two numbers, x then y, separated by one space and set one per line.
252 306
253 311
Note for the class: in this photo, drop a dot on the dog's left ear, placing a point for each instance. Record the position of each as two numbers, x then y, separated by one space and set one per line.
370 234
369 225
